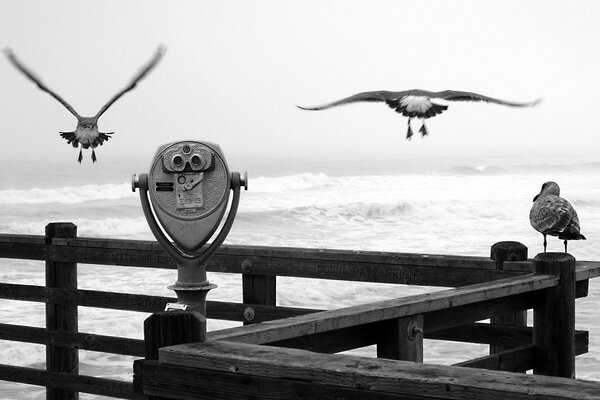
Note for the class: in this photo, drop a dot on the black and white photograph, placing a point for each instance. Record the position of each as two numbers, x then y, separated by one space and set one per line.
336 199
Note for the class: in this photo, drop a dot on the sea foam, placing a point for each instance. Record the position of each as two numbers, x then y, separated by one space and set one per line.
65 195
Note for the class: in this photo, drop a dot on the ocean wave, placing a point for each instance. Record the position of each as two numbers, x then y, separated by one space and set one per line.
121 228
477 170
290 182
354 211
66 195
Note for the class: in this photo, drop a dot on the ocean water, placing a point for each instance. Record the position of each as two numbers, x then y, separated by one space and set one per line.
447 207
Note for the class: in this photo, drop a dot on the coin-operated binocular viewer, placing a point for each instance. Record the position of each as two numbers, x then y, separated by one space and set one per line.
187 192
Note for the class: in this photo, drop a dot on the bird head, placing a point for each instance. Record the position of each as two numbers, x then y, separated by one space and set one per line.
548 188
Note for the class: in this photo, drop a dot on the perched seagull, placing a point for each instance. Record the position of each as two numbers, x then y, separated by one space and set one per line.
553 215
417 103
86 133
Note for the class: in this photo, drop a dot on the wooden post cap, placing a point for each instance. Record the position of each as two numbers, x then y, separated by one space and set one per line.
508 251
552 262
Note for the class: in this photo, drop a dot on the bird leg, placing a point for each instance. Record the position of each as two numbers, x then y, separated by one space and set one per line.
423 130
93 156
545 243
565 247
80 155
409 132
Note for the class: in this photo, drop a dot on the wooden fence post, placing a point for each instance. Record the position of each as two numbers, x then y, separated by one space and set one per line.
501 252
168 328
61 316
402 339
256 289
554 317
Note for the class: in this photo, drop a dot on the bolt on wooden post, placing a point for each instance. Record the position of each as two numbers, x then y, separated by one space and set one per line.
554 317
257 290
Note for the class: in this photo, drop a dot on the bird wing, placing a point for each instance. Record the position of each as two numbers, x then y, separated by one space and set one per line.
388 96
138 77
552 214
376 96
29 74
456 95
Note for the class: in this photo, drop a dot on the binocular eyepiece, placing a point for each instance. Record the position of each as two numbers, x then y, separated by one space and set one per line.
189 156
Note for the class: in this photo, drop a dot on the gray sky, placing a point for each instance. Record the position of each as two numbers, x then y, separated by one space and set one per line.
234 71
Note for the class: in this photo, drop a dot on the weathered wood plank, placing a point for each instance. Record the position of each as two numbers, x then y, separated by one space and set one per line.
78 340
554 317
141 303
257 290
423 269
517 359
82 297
26 239
370 375
386 310
23 251
169 328
477 311
76 383
502 252
200 384
61 316
401 339
483 333
520 358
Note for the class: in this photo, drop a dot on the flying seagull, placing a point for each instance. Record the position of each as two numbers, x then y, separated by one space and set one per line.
86 133
417 103
553 215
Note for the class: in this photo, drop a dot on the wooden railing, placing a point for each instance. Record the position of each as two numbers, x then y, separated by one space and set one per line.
448 315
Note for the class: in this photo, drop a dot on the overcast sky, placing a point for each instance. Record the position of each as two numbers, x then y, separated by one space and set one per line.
234 71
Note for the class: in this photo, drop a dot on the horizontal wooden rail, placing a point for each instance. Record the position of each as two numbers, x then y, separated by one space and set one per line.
80 340
367 266
198 371
140 303
76 383
440 301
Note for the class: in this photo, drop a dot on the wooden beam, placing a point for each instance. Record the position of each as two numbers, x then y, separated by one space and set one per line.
60 316
248 368
521 358
518 359
554 317
74 340
441 301
421 269
141 303
76 383
401 339
256 290
502 252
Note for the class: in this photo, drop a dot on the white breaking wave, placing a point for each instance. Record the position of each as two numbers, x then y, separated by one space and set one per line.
290 182
123 228
66 195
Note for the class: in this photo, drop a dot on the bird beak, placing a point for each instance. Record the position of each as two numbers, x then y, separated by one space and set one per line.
536 197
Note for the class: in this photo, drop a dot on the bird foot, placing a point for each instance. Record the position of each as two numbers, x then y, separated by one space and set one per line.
409 132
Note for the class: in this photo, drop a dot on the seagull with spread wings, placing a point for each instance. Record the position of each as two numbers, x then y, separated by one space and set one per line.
86 133
417 103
